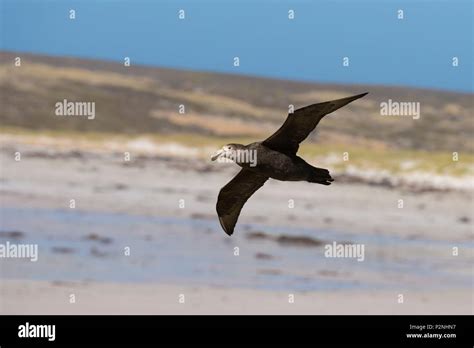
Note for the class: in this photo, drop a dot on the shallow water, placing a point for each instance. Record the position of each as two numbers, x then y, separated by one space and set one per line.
171 250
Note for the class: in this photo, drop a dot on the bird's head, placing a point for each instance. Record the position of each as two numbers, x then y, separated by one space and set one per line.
228 151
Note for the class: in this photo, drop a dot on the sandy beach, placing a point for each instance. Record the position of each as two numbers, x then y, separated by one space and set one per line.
39 297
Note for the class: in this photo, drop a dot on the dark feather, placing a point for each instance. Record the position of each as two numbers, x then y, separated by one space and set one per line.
301 123
233 196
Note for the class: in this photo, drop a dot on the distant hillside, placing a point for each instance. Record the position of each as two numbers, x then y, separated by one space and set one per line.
137 99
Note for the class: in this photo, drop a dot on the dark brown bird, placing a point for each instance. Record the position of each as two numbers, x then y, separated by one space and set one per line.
273 158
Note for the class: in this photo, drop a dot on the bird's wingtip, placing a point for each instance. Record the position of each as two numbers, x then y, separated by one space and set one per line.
358 96
224 227
347 100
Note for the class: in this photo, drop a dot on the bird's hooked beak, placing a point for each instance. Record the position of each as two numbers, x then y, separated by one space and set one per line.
217 155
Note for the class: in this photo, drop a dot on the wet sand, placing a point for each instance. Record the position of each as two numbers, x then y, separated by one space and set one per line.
38 297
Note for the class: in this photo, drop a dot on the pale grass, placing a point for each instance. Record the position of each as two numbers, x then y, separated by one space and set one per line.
370 155
219 125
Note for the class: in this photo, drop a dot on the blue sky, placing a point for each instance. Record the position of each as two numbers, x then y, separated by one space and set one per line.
416 51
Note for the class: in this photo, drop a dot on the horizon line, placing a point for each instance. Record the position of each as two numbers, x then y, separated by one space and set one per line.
248 75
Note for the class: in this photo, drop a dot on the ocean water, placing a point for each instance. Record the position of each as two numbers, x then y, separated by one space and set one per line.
79 245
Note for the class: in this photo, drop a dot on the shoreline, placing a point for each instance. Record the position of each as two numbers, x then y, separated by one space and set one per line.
149 149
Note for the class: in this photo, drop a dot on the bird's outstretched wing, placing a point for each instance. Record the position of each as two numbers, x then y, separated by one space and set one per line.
303 121
233 196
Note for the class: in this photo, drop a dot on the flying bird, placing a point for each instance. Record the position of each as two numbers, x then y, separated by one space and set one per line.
273 158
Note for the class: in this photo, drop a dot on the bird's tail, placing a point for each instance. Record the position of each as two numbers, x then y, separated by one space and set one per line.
320 176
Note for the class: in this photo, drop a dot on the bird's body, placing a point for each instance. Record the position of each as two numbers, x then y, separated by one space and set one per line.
273 158
277 165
